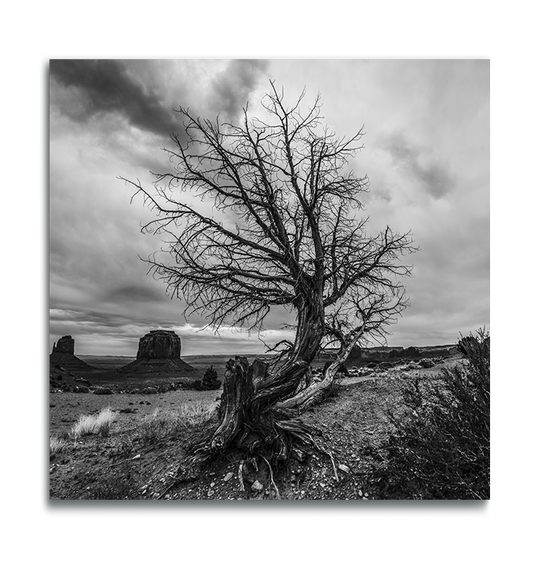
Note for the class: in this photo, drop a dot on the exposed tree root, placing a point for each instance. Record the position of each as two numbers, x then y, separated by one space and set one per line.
253 430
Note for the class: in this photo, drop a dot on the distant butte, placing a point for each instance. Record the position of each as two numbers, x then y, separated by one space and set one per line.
63 355
159 353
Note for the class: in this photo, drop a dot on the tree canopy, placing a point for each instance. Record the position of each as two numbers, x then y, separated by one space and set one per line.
287 221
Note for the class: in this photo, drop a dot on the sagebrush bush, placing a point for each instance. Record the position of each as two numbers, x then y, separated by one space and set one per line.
439 447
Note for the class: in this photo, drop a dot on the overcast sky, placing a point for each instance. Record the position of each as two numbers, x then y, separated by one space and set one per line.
426 154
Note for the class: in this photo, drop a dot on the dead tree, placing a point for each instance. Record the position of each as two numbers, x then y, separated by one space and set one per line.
285 231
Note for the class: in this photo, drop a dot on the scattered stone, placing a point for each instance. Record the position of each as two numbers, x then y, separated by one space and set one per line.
257 486
344 468
228 476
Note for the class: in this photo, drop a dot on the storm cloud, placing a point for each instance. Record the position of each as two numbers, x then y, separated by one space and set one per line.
426 154
436 178
109 86
135 90
232 86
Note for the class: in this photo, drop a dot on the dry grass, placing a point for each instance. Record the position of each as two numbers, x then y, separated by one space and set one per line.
185 419
96 424
57 445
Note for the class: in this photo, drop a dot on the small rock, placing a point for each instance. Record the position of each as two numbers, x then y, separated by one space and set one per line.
81 389
228 476
102 390
210 493
344 468
136 457
257 486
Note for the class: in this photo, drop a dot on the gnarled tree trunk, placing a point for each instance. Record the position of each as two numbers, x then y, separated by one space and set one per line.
317 391
248 417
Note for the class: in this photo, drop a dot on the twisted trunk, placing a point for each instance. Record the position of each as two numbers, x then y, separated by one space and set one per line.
317 391
248 417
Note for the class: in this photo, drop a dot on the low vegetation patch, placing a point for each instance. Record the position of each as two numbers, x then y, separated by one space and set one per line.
57 445
94 424
186 419
440 444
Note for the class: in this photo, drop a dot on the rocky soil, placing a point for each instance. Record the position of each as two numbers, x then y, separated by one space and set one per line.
130 463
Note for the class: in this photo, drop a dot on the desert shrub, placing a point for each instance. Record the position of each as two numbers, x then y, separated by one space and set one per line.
465 343
440 443
210 381
96 424
412 351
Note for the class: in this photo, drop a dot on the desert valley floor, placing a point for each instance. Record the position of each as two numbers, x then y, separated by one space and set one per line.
142 455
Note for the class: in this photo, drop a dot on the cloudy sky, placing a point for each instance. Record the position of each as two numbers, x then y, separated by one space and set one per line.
426 154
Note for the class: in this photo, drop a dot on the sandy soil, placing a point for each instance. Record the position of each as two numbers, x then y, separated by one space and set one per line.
122 466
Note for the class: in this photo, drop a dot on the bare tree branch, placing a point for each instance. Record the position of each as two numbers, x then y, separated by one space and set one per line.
285 229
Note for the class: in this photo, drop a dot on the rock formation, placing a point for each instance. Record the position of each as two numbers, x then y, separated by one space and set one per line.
159 354
159 344
63 355
65 345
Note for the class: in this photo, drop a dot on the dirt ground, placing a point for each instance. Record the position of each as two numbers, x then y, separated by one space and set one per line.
123 465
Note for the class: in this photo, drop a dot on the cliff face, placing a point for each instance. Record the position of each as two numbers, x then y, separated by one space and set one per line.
159 344
64 345
63 355
159 355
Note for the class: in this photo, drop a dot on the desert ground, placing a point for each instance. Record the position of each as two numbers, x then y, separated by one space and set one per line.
140 456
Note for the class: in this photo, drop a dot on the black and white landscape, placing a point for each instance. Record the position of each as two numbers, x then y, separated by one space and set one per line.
269 279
